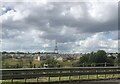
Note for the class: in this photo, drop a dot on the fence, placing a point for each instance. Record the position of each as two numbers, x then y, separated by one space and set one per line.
13 74
73 65
99 64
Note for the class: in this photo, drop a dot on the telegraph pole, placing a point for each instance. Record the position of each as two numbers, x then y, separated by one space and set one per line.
56 48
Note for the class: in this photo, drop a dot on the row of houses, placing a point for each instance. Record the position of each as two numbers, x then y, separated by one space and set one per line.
43 56
39 56
58 57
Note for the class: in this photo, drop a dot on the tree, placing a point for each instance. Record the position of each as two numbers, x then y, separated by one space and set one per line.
117 60
92 57
111 59
84 59
20 65
118 57
30 61
50 62
101 56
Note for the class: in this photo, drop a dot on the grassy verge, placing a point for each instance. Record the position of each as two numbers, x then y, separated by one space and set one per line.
52 79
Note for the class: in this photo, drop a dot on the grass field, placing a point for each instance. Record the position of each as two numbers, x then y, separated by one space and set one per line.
46 79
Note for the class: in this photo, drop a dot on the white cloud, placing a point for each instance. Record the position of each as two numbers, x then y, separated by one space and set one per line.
76 11
15 15
98 41
100 11
36 26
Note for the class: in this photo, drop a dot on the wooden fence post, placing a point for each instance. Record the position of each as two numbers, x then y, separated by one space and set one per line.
83 65
105 74
60 76
97 74
69 76
34 66
11 80
88 76
105 64
37 79
25 80
49 79
79 75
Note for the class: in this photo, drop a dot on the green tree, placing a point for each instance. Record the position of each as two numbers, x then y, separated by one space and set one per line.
110 59
117 60
101 56
118 57
92 57
20 65
30 61
50 62
84 59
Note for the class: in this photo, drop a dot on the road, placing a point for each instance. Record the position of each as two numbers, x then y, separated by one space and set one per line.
96 82
75 82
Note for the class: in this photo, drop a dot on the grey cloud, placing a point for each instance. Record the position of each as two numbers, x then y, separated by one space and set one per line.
49 20
40 16
60 38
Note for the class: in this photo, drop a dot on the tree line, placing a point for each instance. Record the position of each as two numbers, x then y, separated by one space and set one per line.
93 59
99 58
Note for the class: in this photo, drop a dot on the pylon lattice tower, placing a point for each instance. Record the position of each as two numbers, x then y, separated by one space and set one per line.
56 48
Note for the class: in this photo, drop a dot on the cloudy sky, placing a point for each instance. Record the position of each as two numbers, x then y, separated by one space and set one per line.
76 26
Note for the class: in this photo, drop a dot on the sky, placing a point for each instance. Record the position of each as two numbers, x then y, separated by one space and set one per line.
75 26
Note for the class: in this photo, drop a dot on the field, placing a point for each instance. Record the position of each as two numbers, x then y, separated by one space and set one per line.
53 79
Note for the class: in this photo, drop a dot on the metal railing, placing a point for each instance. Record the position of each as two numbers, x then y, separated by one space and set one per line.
8 66
29 73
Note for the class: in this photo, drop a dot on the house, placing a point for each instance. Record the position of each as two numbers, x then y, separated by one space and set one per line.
59 59
112 54
37 58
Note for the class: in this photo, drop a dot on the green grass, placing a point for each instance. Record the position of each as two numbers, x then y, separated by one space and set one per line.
46 79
